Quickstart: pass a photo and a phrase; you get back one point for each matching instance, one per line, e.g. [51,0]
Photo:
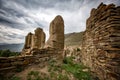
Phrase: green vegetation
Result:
[19,68]
[1,77]
[33,75]
[55,71]
[76,69]
[15,78]
[62,77]
[78,49]
[8,53]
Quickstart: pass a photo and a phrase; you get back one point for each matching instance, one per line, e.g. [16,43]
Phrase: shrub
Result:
[15,78]
[7,53]
[76,69]
[19,68]
[78,49]
[68,60]
[62,77]
[2,77]
[52,62]
[34,75]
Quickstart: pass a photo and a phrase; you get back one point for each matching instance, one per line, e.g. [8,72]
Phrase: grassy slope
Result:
[72,39]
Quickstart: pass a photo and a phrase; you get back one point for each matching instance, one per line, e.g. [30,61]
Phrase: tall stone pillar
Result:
[56,31]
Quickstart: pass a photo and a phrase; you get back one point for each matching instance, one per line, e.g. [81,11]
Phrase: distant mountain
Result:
[12,47]
[73,39]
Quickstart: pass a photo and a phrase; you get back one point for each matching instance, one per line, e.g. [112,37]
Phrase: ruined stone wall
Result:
[101,42]
[8,64]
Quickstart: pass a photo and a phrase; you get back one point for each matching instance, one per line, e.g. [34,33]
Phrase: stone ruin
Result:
[35,43]
[101,42]
[35,50]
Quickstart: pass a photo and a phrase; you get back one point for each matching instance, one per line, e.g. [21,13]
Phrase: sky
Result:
[18,17]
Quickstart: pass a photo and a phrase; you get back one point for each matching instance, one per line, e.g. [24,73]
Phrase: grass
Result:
[19,68]
[62,77]
[33,75]
[8,53]
[76,69]
[15,78]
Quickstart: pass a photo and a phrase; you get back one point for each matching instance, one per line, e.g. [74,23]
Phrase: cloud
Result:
[18,17]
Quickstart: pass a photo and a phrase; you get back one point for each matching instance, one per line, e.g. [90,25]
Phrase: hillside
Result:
[72,39]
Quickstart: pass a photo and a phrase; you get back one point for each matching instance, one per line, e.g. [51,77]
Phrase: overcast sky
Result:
[18,17]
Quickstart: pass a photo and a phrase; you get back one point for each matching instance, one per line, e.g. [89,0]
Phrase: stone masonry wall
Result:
[101,42]
[8,64]
[43,55]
